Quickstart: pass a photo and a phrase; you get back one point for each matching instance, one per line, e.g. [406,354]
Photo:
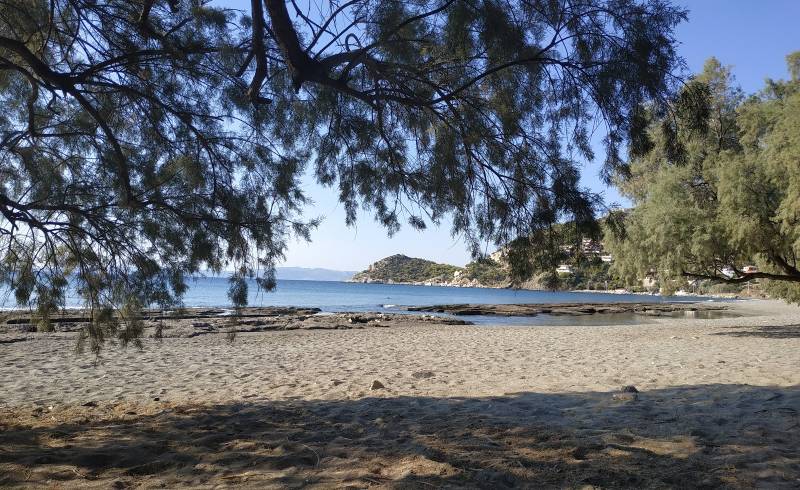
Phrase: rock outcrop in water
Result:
[574,309]
[192,322]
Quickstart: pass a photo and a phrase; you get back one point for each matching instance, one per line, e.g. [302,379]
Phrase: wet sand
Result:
[718,404]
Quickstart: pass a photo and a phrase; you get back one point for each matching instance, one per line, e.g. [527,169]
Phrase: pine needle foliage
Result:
[142,141]
[730,202]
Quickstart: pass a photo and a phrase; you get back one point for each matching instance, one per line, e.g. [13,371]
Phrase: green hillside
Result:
[587,273]
[400,268]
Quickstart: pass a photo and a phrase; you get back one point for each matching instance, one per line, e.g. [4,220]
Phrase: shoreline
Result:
[193,321]
[621,291]
[29,358]
[678,297]
[421,403]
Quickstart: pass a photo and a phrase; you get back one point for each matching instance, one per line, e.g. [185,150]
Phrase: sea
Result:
[333,296]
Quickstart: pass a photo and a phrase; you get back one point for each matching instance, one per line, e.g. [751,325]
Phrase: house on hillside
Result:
[591,247]
[564,269]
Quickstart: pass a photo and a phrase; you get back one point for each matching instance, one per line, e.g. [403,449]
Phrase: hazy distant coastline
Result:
[312,274]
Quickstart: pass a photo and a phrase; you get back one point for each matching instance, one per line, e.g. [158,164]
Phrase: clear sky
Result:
[753,36]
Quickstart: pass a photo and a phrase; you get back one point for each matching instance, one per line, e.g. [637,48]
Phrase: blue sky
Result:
[753,36]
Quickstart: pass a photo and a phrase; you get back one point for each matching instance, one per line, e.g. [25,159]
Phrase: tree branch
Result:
[745,277]
[259,53]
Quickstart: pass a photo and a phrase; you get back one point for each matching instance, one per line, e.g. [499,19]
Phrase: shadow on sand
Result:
[688,437]
[767,332]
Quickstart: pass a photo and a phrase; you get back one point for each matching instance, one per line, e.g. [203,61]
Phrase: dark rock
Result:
[376,385]
[628,393]
[575,309]
[360,319]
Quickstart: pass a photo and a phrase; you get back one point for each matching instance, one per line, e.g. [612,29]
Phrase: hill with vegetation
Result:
[403,269]
[586,273]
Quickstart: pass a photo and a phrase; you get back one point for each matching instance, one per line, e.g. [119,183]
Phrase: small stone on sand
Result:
[628,393]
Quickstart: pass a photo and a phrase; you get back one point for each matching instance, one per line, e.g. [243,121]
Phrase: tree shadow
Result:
[688,437]
[767,332]
[13,340]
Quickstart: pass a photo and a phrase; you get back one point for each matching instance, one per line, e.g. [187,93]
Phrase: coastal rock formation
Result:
[193,322]
[574,309]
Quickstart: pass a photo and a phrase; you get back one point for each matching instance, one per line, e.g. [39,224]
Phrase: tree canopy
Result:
[144,140]
[732,197]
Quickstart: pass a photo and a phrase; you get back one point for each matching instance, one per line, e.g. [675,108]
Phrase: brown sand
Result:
[492,407]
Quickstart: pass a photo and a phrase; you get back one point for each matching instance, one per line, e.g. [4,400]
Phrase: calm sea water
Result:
[348,296]
[332,296]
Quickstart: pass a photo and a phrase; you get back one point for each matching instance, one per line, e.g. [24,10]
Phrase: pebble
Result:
[625,397]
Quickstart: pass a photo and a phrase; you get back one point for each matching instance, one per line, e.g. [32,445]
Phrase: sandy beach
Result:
[413,405]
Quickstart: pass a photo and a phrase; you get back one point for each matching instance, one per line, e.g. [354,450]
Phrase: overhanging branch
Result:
[745,277]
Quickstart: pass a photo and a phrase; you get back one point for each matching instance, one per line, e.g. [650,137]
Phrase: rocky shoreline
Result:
[573,309]
[474,283]
[192,322]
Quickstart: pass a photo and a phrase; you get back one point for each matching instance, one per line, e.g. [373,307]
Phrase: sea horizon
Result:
[337,296]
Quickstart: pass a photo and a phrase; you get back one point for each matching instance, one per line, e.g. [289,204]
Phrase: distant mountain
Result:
[312,274]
